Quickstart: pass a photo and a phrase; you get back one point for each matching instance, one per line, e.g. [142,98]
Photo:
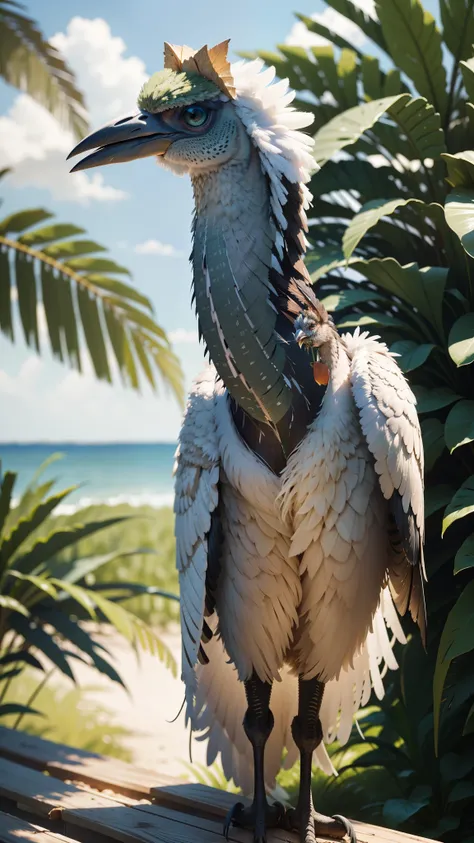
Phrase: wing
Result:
[197,524]
[389,421]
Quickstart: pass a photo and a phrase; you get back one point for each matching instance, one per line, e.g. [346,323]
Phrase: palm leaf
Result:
[365,22]
[458,35]
[414,43]
[32,64]
[84,303]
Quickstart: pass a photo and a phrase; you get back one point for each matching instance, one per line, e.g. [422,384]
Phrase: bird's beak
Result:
[300,337]
[137,136]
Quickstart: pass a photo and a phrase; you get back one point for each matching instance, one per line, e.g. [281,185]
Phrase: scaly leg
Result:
[258,724]
[307,734]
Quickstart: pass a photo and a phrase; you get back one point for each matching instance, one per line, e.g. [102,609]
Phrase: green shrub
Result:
[44,598]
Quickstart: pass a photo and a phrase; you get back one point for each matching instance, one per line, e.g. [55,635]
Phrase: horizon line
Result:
[69,442]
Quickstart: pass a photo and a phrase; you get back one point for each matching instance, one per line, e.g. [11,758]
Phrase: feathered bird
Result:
[299,510]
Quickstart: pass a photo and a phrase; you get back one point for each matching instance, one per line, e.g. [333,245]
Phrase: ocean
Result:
[137,474]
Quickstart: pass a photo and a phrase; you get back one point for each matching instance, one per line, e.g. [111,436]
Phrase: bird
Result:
[298,503]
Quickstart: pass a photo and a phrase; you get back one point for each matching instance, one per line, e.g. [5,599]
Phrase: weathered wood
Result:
[181,813]
[63,762]
[13,830]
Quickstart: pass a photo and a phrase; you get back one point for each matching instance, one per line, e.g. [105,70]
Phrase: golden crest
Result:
[211,63]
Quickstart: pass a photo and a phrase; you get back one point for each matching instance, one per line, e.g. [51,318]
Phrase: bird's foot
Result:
[312,825]
[258,817]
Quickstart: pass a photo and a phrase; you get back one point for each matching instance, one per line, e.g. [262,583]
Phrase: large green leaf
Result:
[355,175]
[461,340]
[460,168]
[29,62]
[372,212]
[461,505]
[422,126]
[414,43]
[467,69]
[465,556]
[348,127]
[348,298]
[397,811]
[437,497]
[457,638]
[429,400]
[364,21]
[457,17]
[325,32]
[411,354]
[459,210]
[459,427]
[422,288]
[433,441]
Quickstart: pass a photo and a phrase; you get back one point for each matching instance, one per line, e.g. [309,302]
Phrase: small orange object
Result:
[320,373]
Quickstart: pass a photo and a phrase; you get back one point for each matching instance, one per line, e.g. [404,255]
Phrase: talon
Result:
[348,826]
[230,817]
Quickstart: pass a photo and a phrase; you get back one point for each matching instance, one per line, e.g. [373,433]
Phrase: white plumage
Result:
[306,557]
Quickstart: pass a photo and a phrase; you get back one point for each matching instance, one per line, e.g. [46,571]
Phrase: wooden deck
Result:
[51,793]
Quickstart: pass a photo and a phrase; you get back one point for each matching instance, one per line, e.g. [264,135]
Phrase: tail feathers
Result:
[218,714]
[220,703]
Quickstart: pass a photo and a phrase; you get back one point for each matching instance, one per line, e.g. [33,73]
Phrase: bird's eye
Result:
[194,115]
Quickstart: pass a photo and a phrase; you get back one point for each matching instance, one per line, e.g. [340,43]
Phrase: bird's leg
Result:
[308,734]
[258,724]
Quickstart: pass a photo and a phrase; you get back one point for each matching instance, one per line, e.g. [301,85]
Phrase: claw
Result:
[348,826]
[230,816]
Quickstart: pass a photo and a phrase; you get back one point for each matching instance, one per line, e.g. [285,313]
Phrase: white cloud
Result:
[156,247]
[183,337]
[299,36]
[33,143]
[110,81]
[24,380]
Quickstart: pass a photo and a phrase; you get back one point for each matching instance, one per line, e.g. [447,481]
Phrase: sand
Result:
[155,698]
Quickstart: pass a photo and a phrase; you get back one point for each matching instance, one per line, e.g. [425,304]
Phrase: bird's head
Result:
[200,113]
[314,328]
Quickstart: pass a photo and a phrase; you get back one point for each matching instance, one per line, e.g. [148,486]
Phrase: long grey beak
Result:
[138,136]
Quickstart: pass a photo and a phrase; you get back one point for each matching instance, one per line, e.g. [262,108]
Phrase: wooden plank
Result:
[13,830]
[43,795]
[63,762]
[202,799]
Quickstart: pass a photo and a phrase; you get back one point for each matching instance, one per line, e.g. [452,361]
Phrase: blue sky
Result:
[139,212]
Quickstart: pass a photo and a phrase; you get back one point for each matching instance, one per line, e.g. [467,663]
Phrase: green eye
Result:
[194,115]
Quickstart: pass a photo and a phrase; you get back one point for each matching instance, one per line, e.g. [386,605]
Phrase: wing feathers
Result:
[389,421]
[196,499]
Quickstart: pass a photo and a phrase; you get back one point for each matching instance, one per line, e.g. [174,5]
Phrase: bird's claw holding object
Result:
[313,825]
[255,817]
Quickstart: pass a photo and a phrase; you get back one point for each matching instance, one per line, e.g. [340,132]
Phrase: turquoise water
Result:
[112,473]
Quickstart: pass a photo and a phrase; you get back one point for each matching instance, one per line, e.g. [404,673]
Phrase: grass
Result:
[147,528]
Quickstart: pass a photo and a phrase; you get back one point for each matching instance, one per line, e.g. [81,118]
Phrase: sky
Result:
[142,214]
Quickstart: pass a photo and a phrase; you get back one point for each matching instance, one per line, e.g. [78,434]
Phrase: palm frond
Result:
[29,62]
[85,304]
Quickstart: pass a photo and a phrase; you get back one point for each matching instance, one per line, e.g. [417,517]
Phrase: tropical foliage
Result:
[392,250]
[31,63]
[53,266]
[44,601]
